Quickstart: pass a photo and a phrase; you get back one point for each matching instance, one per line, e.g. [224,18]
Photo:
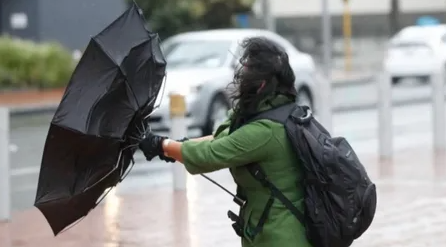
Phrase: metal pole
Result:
[325,109]
[178,130]
[268,18]
[385,118]
[347,31]
[438,108]
[5,190]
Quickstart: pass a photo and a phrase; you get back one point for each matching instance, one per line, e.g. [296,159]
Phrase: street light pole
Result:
[268,18]
[325,109]
[347,31]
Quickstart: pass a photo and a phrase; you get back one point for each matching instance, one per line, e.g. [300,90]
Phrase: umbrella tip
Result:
[135,5]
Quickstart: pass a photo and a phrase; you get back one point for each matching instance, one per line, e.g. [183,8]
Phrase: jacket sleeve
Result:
[246,145]
[223,129]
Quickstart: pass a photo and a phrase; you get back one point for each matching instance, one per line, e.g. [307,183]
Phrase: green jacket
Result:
[264,142]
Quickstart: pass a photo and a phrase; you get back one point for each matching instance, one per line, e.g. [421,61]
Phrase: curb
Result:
[50,109]
[33,109]
[374,105]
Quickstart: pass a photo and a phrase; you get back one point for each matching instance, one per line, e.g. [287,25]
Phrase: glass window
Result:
[196,53]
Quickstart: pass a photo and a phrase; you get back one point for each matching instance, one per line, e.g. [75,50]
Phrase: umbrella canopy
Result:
[100,120]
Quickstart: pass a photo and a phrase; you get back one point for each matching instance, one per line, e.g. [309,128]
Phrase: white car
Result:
[201,64]
[416,51]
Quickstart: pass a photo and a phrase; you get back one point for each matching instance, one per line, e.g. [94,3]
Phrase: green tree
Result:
[219,13]
[168,17]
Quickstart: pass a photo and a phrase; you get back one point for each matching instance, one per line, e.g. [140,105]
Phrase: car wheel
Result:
[304,98]
[217,113]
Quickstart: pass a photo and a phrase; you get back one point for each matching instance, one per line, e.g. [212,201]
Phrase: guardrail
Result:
[385,117]
[5,190]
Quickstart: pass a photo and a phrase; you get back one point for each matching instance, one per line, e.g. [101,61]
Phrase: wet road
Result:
[28,135]
[411,212]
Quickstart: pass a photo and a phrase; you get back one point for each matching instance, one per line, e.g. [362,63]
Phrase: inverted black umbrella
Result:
[100,120]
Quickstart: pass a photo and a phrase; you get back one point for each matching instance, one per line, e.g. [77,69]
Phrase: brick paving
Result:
[411,212]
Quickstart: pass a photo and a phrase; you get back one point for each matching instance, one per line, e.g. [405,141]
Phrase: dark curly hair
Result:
[264,72]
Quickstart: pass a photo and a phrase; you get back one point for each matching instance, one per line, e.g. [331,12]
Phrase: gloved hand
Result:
[168,159]
[152,146]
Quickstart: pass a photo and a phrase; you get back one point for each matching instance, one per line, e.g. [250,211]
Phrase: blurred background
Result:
[42,40]
[372,22]
[344,43]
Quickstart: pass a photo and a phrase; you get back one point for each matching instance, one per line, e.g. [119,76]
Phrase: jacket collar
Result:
[274,101]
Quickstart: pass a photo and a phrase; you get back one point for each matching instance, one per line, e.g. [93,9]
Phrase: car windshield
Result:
[196,53]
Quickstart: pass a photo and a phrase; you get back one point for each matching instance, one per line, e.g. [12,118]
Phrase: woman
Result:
[264,81]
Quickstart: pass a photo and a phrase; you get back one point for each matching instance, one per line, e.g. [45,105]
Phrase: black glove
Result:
[152,146]
[168,159]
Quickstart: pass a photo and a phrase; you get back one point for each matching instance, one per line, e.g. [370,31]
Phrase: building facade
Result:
[372,24]
[70,22]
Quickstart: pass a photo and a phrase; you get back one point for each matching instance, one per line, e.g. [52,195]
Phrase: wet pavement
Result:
[144,211]
[28,135]
[411,212]
[412,190]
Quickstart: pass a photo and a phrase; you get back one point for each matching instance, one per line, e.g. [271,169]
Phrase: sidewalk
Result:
[411,212]
[30,97]
[32,100]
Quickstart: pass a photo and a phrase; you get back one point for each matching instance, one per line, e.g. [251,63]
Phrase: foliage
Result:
[24,63]
[168,17]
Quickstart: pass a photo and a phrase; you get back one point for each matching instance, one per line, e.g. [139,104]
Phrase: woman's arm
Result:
[245,145]
[172,149]
[203,138]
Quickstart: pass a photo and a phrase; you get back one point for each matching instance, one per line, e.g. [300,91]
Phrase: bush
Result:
[25,64]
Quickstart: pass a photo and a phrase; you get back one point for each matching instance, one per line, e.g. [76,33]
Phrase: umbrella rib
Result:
[131,90]
[119,67]
[101,45]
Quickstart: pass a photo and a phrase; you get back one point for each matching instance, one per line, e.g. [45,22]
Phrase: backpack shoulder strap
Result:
[256,171]
[279,114]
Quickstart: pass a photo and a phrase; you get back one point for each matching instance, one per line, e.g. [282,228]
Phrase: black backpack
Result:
[339,197]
